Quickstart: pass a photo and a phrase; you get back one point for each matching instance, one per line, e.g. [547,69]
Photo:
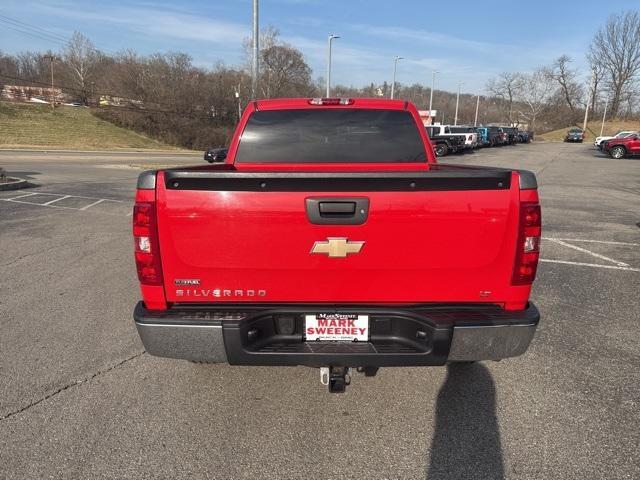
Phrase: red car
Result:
[622,147]
[331,238]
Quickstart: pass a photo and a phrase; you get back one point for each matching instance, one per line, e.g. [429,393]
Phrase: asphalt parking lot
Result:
[79,397]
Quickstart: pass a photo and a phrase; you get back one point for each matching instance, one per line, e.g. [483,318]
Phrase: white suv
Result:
[600,140]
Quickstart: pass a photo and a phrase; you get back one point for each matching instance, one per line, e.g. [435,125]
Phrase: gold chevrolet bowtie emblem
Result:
[337,247]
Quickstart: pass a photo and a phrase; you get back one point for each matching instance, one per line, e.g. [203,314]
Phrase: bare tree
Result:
[33,68]
[506,86]
[285,72]
[598,73]
[533,91]
[617,47]
[80,58]
[8,70]
[565,77]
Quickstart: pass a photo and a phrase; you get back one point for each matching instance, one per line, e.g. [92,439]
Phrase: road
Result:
[79,397]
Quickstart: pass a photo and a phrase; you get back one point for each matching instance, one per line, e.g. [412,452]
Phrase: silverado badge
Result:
[337,247]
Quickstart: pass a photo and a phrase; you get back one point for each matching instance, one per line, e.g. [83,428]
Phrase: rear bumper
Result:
[273,335]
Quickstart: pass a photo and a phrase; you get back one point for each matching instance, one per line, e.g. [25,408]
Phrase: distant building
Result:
[427,116]
[26,93]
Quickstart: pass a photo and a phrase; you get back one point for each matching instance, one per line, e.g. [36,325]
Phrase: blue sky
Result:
[465,41]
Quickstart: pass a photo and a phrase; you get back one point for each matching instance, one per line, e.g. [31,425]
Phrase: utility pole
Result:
[433,81]
[255,67]
[331,38]
[93,84]
[455,119]
[604,115]
[237,93]
[586,108]
[395,66]
[51,59]
[475,122]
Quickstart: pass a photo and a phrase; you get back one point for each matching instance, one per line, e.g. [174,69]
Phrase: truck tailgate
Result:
[434,236]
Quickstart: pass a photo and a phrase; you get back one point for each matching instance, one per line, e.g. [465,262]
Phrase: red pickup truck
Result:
[331,238]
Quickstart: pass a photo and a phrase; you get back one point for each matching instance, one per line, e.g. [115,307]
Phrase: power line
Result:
[39,32]
[31,34]
[31,31]
[35,28]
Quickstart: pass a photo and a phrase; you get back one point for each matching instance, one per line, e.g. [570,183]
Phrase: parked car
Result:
[440,131]
[216,154]
[483,136]
[512,134]
[469,131]
[524,136]
[271,259]
[468,139]
[600,140]
[444,144]
[623,147]
[497,136]
[574,135]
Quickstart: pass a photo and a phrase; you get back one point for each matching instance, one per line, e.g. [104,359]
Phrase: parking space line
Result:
[595,265]
[56,200]
[36,204]
[584,250]
[606,242]
[92,204]
[47,204]
[20,196]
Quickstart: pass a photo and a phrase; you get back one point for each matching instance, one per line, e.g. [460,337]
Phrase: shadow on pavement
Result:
[25,175]
[466,442]
[28,176]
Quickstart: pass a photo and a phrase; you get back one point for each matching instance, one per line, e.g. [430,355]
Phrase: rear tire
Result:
[617,152]
[441,150]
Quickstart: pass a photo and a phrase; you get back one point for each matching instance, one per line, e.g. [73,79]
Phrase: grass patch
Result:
[593,130]
[24,125]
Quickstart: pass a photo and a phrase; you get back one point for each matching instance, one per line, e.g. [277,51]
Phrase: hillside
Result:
[593,130]
[32,125]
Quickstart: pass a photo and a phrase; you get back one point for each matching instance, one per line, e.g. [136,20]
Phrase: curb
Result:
[14,184]
[46,149]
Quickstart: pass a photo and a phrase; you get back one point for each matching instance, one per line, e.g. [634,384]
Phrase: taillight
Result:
[145,235]
[528,249]
[331,101]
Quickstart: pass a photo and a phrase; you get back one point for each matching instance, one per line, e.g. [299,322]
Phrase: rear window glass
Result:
[461,130]
[330,136]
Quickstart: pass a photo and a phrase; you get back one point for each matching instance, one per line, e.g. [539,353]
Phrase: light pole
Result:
[255,68]
[586,109]
[395,66]
[433,81]
[604,115]
[237,94]
[455,118]
[331,37]
[51,58]
[475,122]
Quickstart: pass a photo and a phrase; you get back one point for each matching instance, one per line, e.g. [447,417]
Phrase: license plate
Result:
[337,327]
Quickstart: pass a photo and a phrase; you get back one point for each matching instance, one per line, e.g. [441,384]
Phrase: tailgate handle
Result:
[337,210]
